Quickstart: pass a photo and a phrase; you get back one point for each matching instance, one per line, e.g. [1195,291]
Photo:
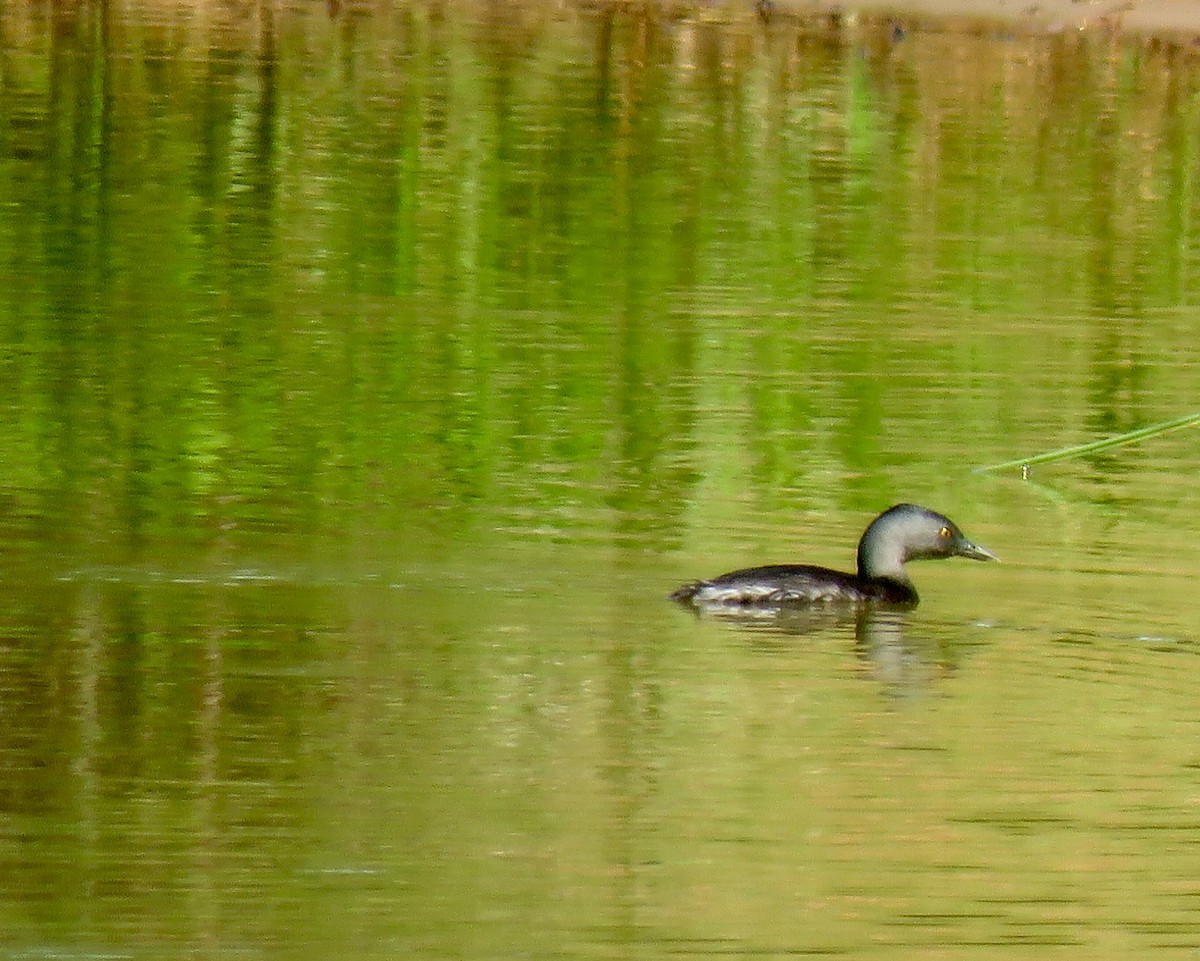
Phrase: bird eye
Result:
[944,532]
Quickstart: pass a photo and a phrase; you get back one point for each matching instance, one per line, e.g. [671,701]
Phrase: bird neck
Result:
[881,556]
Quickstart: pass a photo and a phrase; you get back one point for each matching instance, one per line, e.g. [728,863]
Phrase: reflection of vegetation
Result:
[265,274]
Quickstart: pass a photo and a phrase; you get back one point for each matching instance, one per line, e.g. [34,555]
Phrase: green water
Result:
[373,371]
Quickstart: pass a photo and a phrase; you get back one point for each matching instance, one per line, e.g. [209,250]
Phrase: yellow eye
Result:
[944,532]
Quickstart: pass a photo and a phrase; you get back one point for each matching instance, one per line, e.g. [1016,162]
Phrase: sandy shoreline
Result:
[1178,20]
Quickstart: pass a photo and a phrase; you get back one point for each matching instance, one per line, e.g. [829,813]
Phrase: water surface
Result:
[374,371]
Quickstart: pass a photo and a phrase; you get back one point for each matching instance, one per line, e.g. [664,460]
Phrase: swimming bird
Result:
[900,534]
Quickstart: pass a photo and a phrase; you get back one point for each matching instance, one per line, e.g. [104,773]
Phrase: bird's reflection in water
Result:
[883,638]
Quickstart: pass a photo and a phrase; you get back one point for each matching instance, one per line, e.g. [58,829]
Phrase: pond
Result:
[373,373]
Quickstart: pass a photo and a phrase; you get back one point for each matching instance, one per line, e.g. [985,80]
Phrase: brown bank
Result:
[1172,19]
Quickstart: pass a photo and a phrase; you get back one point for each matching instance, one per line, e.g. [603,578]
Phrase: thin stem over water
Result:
[1119,440]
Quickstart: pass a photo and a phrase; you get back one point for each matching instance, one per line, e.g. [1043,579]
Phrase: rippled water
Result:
[375,371]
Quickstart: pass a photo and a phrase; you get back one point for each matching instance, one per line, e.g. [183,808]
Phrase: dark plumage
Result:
[900,534]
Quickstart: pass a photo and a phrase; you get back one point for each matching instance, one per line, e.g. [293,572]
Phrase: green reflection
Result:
[479,263]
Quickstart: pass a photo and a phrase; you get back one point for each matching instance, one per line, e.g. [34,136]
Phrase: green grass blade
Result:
[1120,440]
